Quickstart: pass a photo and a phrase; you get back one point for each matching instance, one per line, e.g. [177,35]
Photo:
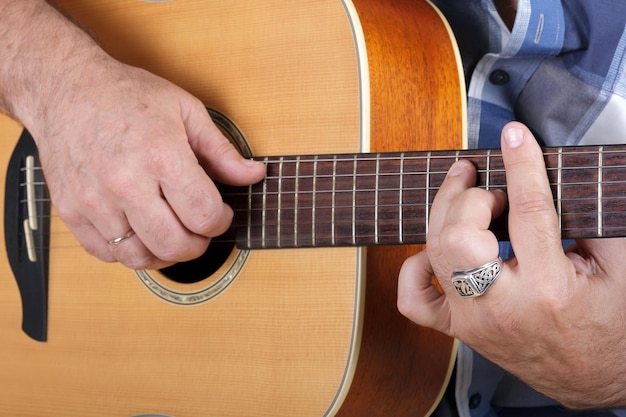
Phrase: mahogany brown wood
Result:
[423,82]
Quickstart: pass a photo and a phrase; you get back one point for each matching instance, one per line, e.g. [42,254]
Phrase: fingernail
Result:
[457,169]
[251,163]
[514,136]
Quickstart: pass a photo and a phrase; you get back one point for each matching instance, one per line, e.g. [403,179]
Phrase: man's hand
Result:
[123,151]
[140,155]
[553,318]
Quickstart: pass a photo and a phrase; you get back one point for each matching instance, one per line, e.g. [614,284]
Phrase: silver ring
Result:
[476,281]
[121,239]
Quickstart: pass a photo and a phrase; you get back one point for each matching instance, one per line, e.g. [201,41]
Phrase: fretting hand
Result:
[554,318]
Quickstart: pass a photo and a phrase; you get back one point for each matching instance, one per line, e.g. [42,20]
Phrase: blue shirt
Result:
[561,71]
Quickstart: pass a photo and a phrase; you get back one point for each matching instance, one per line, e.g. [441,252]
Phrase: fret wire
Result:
[559,196]
[427,202]
[354,191]
[600,163]
[401,201]
[376,205]
[487,172]
[313,196]
[249,232]
[332,197]
[279,199]
[263,213]
[297,196]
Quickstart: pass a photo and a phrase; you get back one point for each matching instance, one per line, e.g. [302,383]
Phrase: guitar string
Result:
[433,155]
[441,155]
[414,157]
[270,242]
[394,191]
[410,226]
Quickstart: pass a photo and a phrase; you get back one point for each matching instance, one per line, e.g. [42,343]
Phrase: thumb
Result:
[219,157]
[418,299]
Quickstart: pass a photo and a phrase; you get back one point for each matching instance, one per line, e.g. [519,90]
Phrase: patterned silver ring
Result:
[121,239]
[476,281]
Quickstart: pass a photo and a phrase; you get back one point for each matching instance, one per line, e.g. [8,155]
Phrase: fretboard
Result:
[385,198]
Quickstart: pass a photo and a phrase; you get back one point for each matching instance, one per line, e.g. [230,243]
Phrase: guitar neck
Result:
[385,198]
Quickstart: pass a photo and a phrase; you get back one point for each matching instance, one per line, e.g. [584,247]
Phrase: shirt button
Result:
[474,401]
[499,77]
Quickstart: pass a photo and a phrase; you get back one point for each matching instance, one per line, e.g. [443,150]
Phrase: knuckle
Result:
[167,159]
[225,149]
[456,238]
[184,248]
[214,223]
[161,161]
[101,253]
[209,217]
[532,203]
[69,214]
[406,306]
[139,262]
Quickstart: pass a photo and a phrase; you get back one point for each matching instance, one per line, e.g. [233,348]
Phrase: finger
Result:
[91,240]
[130,251]
[465,238]
[216,153]
[192,203]
[137,205]
[460,177]
[533,224]
[418,299]
[103,222]
[164,235]
[458,236]
[133,253]
[192,198]
[597,257]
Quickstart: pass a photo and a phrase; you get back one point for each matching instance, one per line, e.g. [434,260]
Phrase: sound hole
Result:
[203,267]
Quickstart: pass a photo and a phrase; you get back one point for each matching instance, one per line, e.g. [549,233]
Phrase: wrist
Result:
[41,53]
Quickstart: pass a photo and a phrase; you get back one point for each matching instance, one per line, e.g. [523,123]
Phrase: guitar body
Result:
[298,332]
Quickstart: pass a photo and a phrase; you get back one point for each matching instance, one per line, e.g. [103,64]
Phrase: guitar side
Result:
[291,336]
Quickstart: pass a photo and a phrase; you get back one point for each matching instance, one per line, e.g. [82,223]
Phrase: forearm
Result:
[39,48]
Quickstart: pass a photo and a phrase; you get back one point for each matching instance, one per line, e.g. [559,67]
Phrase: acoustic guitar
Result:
[294,315]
